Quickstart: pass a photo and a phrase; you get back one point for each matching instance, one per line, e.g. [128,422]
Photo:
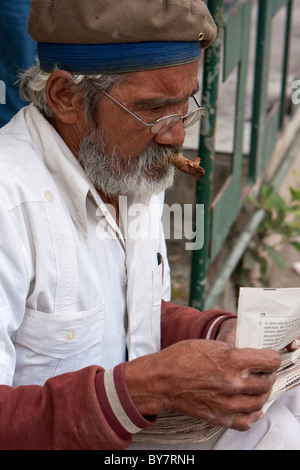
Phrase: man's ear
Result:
[62,97]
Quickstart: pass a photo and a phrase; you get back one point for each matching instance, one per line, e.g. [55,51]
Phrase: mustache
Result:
[157,155]
[162,156]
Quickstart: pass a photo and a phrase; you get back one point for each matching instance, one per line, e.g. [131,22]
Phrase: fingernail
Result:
[295,345]
[258,415]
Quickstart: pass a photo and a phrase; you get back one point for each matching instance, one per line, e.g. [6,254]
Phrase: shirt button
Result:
[70,335]
[49,196]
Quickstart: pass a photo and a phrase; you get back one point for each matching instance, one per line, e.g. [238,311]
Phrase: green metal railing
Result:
[230,51]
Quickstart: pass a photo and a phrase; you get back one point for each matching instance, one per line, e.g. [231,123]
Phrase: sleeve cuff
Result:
[211,328]
[117,405]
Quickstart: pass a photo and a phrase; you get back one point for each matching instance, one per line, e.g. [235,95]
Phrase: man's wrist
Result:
[117,405]
[212,328]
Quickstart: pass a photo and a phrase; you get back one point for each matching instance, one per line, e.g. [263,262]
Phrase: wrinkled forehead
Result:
[159,87]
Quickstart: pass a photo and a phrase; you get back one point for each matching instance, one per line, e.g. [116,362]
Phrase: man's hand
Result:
[227,331]
[294,346]
[209,380]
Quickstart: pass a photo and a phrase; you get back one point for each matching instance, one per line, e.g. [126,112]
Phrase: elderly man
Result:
[92,349]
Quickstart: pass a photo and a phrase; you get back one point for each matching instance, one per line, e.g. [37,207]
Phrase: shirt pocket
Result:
[49,345]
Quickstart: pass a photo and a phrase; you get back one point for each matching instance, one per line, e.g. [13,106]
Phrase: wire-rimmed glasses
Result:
[166,123]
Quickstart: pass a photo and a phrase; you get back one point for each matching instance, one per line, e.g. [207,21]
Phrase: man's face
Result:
[120,154]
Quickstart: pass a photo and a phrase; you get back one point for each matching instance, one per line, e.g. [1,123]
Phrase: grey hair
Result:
[34,80]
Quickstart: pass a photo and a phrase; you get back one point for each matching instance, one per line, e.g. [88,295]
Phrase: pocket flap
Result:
[61,336]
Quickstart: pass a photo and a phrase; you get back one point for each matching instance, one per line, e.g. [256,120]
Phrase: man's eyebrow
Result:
[160,101]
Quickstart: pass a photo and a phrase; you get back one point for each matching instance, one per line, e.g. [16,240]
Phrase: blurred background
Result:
[249,143]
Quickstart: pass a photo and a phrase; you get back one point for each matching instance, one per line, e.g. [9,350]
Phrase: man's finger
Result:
[264,361]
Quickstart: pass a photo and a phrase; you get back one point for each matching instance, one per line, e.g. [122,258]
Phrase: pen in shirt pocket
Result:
[160,262]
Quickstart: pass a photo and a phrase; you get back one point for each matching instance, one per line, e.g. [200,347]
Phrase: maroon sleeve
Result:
[179,323]
[86,410]
[64,414]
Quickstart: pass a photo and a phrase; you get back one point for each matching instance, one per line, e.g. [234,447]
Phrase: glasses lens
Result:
[193,117]
[165,124]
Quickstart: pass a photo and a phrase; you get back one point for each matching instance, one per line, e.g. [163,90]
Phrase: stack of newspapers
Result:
[267,318]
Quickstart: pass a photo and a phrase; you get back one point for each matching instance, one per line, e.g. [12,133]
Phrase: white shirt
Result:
[74,290]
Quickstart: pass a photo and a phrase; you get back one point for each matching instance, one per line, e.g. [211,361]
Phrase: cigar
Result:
[189,167]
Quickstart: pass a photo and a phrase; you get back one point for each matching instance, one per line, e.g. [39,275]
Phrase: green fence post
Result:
[285,65]
[200,258]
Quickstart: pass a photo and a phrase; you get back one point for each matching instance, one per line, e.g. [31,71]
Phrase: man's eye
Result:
[153,112]
[156,109]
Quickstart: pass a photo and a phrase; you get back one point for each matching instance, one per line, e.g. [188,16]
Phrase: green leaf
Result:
[266,191]
[254,201]
[295,194]
[249,260]
[296,245]
[276,202]
[276,257]
[263,265]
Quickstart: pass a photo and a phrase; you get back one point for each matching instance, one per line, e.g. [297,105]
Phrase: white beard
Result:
[151,173]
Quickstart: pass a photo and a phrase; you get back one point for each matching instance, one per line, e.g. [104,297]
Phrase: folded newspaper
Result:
[267,318]
[270,318]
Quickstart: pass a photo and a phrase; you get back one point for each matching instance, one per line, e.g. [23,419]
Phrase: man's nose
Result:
[174,136]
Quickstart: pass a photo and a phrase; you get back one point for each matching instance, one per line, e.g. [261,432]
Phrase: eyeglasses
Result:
[166,123]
